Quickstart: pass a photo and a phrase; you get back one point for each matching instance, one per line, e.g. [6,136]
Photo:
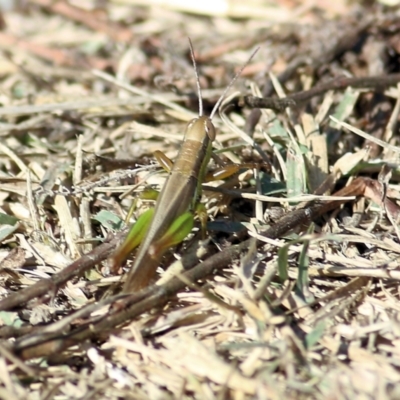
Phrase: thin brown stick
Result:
[341,83]
[50,286]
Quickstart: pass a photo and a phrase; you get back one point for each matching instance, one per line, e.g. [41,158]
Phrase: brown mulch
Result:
[294,294]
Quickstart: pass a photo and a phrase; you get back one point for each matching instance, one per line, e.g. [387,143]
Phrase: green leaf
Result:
[283,253]
[302,277]
[277,130]
[8,225]
[313,337]
[6,219]
[109,220]
[6,230]
[10,319]
[345,107]
[296,176]
[283,263]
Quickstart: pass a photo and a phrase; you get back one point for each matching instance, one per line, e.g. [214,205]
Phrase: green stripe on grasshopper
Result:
[175,234]
[134,238]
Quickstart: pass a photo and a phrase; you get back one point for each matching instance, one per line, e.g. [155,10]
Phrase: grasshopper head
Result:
[199,128]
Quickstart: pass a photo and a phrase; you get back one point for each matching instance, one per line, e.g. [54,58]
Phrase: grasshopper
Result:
[172,219]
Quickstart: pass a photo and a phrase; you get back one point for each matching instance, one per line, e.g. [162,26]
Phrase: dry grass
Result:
[87,94]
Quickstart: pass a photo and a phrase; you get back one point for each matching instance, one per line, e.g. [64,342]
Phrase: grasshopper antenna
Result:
[197,79]
[220,100]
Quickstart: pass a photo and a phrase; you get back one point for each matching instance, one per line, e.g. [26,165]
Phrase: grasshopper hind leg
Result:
[133,239]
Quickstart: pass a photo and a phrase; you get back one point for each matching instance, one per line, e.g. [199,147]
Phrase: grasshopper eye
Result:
[209,129]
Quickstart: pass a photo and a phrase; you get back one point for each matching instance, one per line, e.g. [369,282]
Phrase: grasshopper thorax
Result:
[200,127]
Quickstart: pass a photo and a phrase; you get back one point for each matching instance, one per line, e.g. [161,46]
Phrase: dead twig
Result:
[46,287]
[340,83]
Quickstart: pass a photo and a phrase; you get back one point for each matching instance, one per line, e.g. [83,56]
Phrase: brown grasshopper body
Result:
[178,196]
